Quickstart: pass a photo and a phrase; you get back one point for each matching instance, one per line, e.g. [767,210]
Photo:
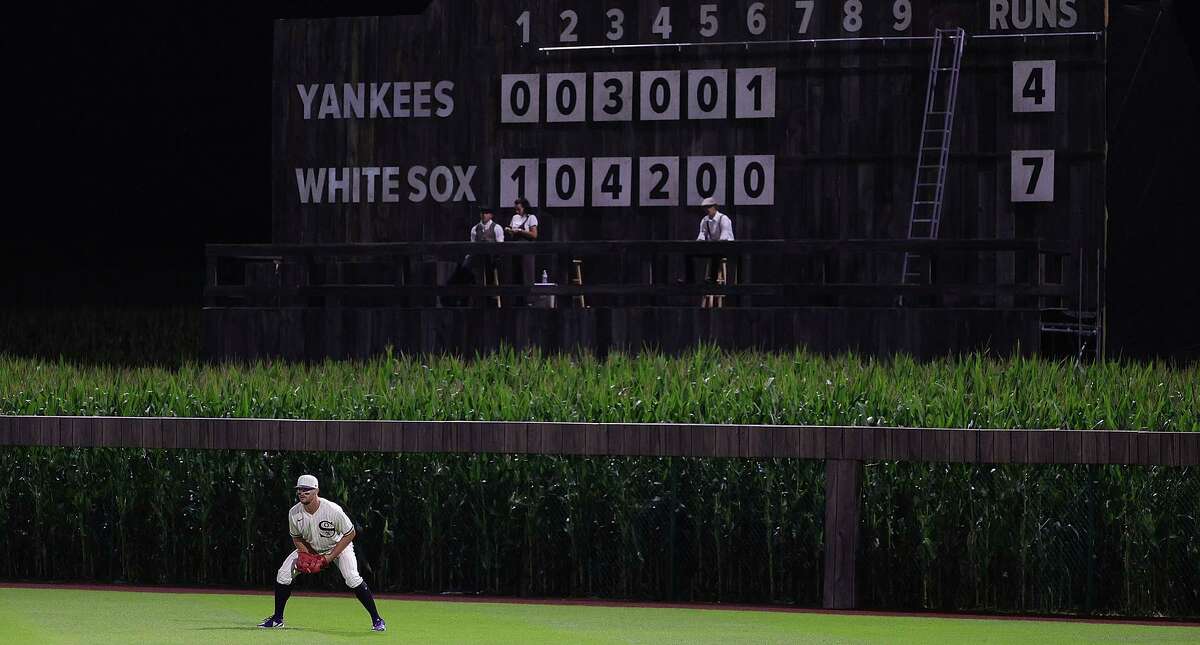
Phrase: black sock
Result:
[282,592]
[363,592]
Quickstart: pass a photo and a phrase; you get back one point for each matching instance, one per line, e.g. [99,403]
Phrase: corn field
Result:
[1075,539]
[705,386]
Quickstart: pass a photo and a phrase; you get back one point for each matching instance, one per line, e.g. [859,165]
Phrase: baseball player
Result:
[322,534]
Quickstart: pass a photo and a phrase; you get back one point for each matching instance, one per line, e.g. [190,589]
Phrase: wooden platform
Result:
[314,333]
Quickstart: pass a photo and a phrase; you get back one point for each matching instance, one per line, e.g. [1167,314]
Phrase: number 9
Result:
[902,12]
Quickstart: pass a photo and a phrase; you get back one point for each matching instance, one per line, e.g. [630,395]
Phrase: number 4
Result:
[1033,86]
[662,23]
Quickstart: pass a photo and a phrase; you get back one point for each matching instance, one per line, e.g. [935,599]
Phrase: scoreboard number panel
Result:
[565,97]
[705,178]
[612,181]
[755,93]
[754,180]
[520,98]
[612,96]
[658,181]
[1032,175]
[564,182]
[519,178]
[708,93]
[659,96]
[1033,86]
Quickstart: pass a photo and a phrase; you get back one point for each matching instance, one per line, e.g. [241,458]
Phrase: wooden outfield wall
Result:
[843,448]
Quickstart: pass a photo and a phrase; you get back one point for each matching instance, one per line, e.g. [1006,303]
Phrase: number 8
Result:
[853,20]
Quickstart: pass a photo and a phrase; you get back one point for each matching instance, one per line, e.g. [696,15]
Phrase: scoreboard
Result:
[615,118]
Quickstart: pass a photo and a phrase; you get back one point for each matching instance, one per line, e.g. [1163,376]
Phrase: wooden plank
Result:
[359,436]
[1074,453]
[1019,452]
[970,445]
[1089,447]
[8,425]
[834,443]
[935,445]
[727,441]
[1118,447]
[403,437]
[843,481]
[1189,448]
[986,441]
[807,438]
[671,439]
[1059,448]
[291,435]
[572,438]
[956,449]
[77,431]
[1041,447]
[852,443]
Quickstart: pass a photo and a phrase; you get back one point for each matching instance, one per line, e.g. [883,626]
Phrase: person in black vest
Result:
[481,265]
[715,226]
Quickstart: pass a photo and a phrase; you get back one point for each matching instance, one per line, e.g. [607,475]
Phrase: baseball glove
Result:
[310,562]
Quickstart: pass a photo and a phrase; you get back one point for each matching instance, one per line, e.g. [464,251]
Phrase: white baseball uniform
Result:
[321,530]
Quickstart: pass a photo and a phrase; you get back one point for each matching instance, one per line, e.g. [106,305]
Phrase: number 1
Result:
[523,23]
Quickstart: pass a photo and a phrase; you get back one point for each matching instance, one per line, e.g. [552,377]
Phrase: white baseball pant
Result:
[346,562]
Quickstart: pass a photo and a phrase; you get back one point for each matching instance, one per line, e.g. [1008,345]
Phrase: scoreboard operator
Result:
[322,533]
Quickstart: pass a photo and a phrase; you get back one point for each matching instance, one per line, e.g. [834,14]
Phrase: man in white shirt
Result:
[486,230]
[319,526]
[715,225]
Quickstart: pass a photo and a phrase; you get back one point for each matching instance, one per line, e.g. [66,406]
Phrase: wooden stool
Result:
[495,282]
[577,279]
[711,301]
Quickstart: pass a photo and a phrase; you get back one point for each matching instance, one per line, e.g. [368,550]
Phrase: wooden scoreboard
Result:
[802,118]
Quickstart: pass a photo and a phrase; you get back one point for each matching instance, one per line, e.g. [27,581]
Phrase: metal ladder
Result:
[933,151]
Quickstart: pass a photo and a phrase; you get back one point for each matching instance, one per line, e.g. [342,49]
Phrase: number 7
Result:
[806,8]
[1037,163]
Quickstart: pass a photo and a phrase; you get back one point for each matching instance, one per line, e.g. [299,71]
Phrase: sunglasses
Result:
[305,490]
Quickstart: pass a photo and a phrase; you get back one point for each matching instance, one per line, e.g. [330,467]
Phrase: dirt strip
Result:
[603,603]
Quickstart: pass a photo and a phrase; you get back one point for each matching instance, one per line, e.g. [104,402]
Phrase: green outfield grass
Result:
[72,616]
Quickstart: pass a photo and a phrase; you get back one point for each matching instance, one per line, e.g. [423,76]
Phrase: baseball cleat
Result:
[271,622]
[377,625]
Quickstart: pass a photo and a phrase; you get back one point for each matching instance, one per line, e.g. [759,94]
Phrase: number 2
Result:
[568,34]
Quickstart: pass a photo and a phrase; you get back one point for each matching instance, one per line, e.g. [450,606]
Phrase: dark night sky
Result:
[142,135]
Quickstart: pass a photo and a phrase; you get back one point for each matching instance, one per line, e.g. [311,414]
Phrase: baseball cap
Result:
[306,481]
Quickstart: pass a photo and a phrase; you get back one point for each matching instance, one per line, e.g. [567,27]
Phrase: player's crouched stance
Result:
[322,534]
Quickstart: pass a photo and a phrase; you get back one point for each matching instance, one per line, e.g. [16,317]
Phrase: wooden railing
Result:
[844,450]
[657,273]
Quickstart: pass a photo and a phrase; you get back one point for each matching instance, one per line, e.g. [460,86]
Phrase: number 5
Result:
[708,20]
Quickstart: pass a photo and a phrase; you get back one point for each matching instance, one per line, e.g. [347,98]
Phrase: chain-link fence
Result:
[1092,539]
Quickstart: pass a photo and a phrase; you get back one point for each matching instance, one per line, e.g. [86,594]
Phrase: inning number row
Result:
[708,20]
